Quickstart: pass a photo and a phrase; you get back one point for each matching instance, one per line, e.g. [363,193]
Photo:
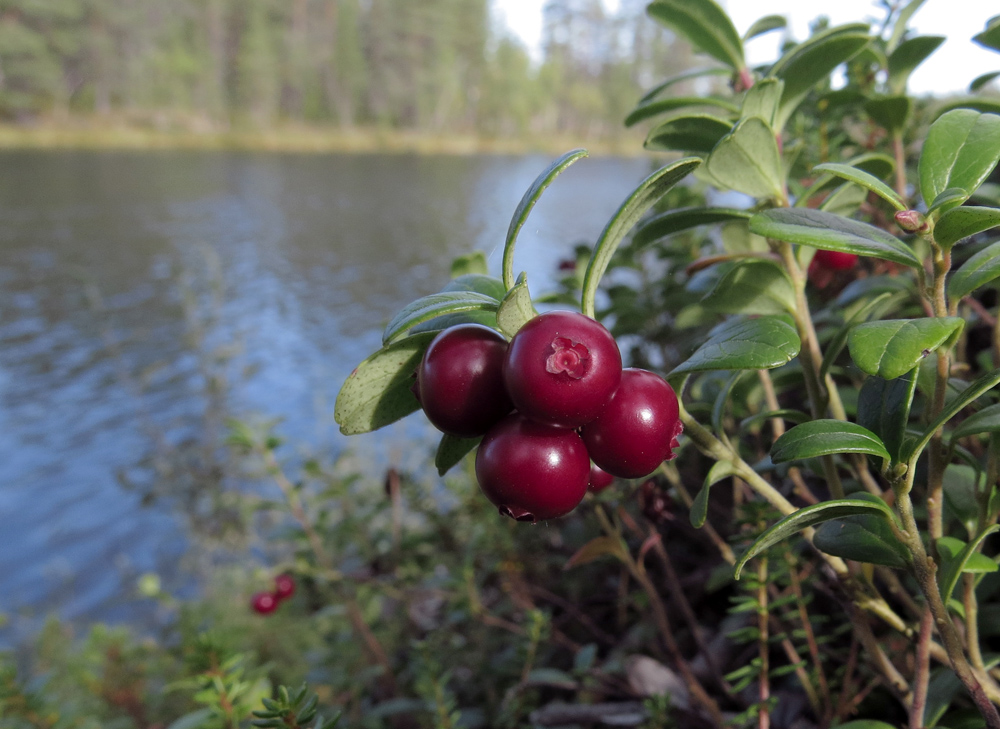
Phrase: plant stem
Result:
[971,606]
[763,643]
[777,430]
[922,672]
[899,152]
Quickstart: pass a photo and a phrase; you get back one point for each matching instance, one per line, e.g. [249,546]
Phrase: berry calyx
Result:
[460,380]
[532,471]
[638,428]
[561,369]
[599,479]
[264,603]
[284,587]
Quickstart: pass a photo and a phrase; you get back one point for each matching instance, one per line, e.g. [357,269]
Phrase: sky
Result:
[948,70]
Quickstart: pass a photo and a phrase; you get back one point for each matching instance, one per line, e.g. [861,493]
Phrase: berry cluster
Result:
[267,602]
[555,408]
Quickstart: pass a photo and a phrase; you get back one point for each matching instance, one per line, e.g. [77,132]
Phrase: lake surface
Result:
[146,296]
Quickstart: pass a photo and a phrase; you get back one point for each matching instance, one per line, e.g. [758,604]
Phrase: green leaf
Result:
[528,201]
[831,232]
[845,200]
[866,723]
[969,395]
[747,160]
[961,149]
[948,199]
[762,100]
[863,538]
[990,38]
[982,104]
[839,340]
[753,286]
[722,399]
[765,25]
[812,61]
[980,81]
[705,25]
[697,133]
[884,408]
[892,347]
[469,263]
[961,484]
[865,180]
[826,438]
[986,420]
[661,106]
[789,414]
[378,392]
[628,214]
[907,56]
[693,73]
[958,557]
[676,221]
[699,507]
[962,222]
[811,516]
[478,283]
[194,720]
[900,28]
[516,309]
[890,112]
[433,306]
[451,450]
[745,344]
[980,269]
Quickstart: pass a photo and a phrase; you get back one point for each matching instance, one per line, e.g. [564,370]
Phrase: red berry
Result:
[264,603]
[834,260]
[599,478]
[532,471]
[562,368]
[284,586]
[638,428]
[460,380]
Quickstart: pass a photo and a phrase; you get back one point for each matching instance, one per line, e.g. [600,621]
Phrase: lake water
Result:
[145,296]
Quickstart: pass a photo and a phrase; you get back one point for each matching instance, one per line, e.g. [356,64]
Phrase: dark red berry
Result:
[284,586]
[655,503]
[562,368]
[460,380]
[599,478]
[834,260]
[532,471]
[638,428]
[264,603]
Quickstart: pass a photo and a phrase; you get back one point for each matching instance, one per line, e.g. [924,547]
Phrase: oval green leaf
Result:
[479,283]
[754,286]
[628,214]
[451,450]
[986,420]
[990,38]
[946,200]
[980,81]
[892,347]
[697,133]
[884,408]
[747,160]
[980,269]
[528,201]
[865,179]
[762,100]
[907,56]
[826,438]
[662,106]
[699,507]
[958,557]
[961,149]
[676,221]
[862,538]
[745,344]
[969,395]
[433,306]
[705,25]
[831,232]
[378,391]
[765,25]
[811,516]
[962,222]
[693,73]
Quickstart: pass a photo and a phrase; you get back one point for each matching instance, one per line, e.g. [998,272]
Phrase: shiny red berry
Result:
[532,471]
[638,428]
[284,586]
[264,603]
[460,380]
[562,368]
[834,260]
[599,478]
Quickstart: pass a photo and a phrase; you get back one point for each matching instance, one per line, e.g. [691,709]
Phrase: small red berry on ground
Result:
[284,586]
[264,603]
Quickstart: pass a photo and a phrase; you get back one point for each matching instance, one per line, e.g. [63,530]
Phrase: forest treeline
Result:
[432,65]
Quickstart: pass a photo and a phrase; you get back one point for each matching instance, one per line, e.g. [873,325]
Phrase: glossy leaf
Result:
[865,180]
[986,420]
[969,395]
[479,283]
[628,214]
[862,538]
[961,484]
[946,200]
[907,56]
[990,37]
[687,75]
[961,222]
[839,340]
[753,286]
[980,81]
[705,25]
[890,112]
[884,408]
[699,507]
[961,149]
[661,106]
[958,557]
[516,309]
[676,221]
[812,61]
[878,165]
[528,200]
[697,133]
[723,398]
[892,347]
[378,391]
[826,438]
[745,344]
[765,25]
[451,450]
[433,306]
[831,232]
[747,160]
[980,269]
[762,100]
[811,516]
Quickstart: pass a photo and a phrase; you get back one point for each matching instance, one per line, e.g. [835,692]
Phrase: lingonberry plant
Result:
[832,338]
